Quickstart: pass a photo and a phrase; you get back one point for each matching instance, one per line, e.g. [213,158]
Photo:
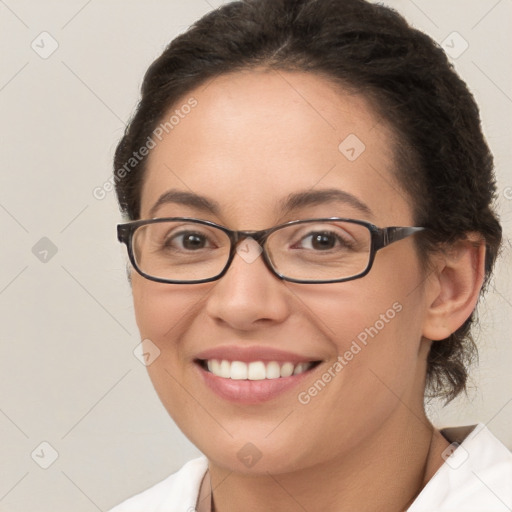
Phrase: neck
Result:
[386,472]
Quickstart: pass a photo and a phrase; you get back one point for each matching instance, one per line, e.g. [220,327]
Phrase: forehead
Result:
[255,137]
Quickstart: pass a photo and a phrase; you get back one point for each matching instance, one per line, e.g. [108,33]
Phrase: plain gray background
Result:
[70,378]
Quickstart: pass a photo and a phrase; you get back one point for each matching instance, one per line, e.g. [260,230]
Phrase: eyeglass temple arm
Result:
[390,235]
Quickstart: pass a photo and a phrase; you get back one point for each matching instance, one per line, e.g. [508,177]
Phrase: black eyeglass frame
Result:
[380,238]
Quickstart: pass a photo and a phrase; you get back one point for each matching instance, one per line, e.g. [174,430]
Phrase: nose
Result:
[249,295]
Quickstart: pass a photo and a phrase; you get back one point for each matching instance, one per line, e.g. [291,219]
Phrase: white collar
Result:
[476,477]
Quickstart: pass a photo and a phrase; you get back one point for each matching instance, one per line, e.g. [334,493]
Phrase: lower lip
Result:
[247,392]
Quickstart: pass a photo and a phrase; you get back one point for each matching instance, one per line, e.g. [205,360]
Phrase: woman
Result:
[309,197]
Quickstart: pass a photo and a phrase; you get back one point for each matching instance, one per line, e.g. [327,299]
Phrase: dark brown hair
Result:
[443,161]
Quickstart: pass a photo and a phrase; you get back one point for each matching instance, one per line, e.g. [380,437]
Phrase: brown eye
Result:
[188,240]
[320,241]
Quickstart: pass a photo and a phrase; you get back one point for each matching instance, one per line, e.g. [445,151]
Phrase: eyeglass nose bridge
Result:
[260,238]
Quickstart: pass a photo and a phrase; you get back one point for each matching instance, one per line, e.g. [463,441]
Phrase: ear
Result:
[454,286]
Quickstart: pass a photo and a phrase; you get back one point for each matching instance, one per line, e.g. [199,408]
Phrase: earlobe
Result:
[454,287]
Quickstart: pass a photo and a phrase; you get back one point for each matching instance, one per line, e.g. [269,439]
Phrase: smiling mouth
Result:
[255,370]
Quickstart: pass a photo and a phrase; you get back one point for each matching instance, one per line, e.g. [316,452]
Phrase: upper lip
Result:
[253,353]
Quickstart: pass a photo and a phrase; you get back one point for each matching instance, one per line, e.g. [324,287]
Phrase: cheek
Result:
[163,314]
[163,311]
[374,326]
[364,311]
[375,335]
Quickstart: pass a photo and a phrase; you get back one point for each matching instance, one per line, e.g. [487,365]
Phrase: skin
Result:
[364,442]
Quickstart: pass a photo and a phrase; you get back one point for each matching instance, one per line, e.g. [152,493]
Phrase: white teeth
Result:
[215,367]
[256,370]
[238,370]
[273,370]
[287,370]
[225,369]
[300,368]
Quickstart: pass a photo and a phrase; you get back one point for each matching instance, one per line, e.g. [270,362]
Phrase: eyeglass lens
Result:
[312,250]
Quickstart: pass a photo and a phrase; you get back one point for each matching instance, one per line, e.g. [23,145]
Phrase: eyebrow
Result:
[200,203]
[299,200]
[292,202]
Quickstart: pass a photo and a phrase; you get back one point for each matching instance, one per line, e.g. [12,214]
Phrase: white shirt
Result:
[476,477]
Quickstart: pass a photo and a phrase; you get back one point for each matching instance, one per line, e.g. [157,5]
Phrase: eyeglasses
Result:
[184,250]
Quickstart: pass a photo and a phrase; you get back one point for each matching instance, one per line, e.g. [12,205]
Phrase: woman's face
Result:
[253,139]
